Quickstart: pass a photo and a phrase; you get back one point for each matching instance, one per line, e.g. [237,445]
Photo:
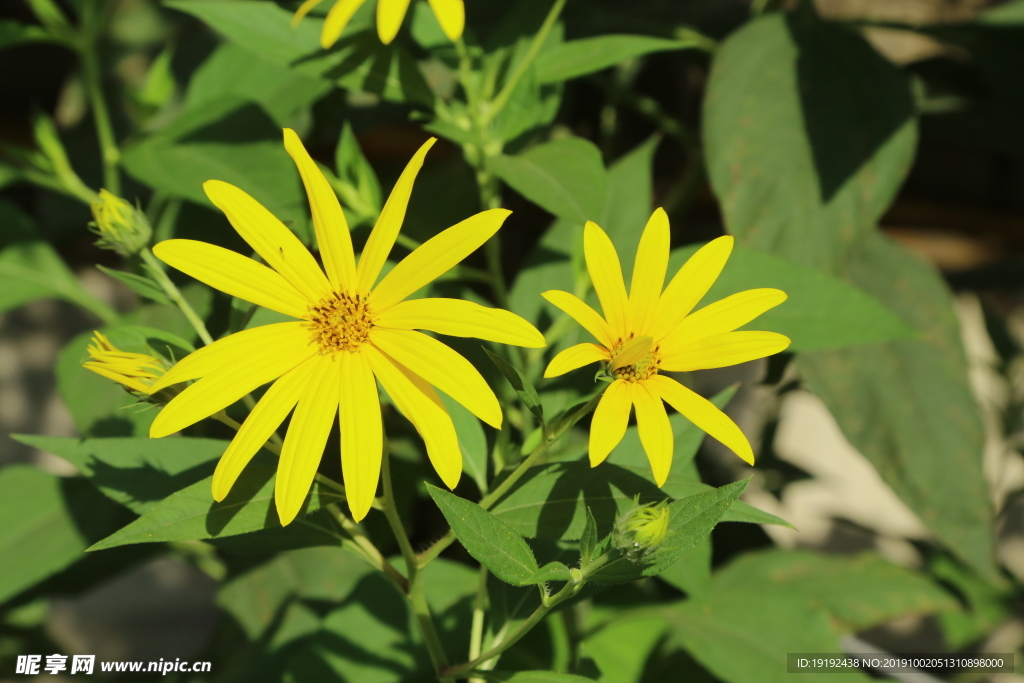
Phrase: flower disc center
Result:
[341,322]
[634,359]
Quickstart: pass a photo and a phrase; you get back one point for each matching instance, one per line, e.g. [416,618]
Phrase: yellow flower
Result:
[652,331]
[451,14]
[121,226]
[349,335]
[137,371]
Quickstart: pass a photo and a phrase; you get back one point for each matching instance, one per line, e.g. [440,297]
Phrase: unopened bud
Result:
[121,226]
[641,530]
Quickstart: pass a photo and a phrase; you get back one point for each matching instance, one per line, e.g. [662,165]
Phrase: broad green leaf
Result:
[858,592]
[192,514]
[565,177]
[102,407]
[692,572]
[472,441]
[234,71]
[30,268]
[587,55]
[622,648]
[527,394]
[136,472]
[808,134]
[692,519]
[48,522]
[986,606]
[142,286]
[907,405]
[821,312]
[628,204]
[359,62]
[490,541]
[588,539]
[15,33]
[545,677]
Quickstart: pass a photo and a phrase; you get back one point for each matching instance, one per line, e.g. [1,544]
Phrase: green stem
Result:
[517,74]
[365,546]
[417,597]
[174,294]
[476,635]
[92,75]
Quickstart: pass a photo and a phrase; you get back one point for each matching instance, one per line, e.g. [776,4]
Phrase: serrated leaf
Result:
[490,541]
[588,539]
[522,386]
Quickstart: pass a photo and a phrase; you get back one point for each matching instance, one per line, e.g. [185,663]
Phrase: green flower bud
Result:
[121,226]
[640,531]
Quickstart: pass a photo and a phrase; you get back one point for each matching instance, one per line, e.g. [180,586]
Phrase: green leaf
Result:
[490,541]
[588,539]
[15,33]
[587,55]
[552,571]
[136,472]
[519,383]
[142,286]
[192,514]
[692,519]
[30,269]
[565,177]
[907,405]
[821,312]
[692,572]
[472,441]
[808,134]
[46,523]
[232,71]
[628,204]
[622,648]
[545,677]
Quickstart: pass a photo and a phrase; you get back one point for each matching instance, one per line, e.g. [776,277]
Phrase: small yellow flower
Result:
[651,331]
[451,14]
[121,226]
[350,332]
[137,371]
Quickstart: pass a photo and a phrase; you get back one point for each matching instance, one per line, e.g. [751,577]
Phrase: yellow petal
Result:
[261,423]
[421,405]
[303,10]
[362,435]
[442,367]
[224,351]
[269,238]
[721,350]
[389,223]
[130,382]
[702,413]
[231,382]
[336,21]
[606,274]
[451,14]
[725,315]
[233,274]
[459,318]
[329,222]
[307,435]
[690,285]
[633,351]
[575,357]
[436,256]
[655,430]
[586,316]
[610,419]
[390,14]
[649,270]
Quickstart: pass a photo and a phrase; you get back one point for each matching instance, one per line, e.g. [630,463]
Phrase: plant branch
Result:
[156,270]
[92,75]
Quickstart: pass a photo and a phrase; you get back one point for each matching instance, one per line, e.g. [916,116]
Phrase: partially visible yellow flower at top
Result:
[451,14]
[651,331]
[350,332]
[137,371]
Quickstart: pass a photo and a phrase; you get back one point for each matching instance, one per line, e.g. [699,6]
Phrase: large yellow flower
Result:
[347,333]
[652,331]
[451,14]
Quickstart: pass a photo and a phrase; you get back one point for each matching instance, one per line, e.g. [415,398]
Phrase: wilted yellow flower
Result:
[137,371]
[652,331]
[121,226]
[451,14]
[350,332]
